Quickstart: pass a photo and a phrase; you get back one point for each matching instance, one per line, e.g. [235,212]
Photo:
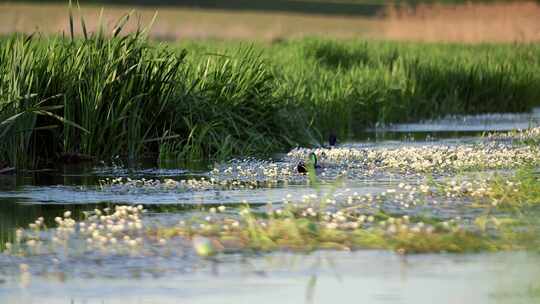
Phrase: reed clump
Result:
[79,96]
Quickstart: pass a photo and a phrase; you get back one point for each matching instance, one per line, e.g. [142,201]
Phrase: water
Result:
[362,277]
[173,273]
[455,126]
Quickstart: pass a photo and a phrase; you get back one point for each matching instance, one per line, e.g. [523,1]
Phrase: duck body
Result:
[303,167]
[332,140]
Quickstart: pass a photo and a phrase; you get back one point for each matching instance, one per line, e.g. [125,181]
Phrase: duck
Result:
[304,167]
[332,139]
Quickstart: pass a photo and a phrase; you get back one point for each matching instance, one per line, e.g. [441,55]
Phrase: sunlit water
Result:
[470,123]
[174,274]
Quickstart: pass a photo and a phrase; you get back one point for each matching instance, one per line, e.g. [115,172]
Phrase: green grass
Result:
[368,82]
[105,96]
[145,99]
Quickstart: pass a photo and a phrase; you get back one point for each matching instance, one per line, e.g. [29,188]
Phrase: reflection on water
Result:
[176,275]
[454,126]
[362,277]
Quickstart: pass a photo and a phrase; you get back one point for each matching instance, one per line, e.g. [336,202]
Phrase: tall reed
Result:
[105,96]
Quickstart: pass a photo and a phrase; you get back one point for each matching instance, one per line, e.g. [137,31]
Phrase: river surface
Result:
[175,274]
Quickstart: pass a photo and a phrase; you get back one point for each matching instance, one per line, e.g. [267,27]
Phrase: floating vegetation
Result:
[346,163]
[112,231]
[529,136]
[303,230]
[428,158]
[340,220]
[360,221]
[124,185]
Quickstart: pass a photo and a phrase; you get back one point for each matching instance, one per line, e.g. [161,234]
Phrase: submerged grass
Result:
[213,100]
[302,234]
[518,192]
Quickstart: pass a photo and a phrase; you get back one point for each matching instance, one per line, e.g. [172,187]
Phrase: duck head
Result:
[313,159]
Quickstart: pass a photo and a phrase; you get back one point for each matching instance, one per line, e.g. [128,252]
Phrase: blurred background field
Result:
[454,21]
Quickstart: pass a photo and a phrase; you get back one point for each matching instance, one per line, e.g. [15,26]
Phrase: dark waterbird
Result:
[332,139]
[304,167]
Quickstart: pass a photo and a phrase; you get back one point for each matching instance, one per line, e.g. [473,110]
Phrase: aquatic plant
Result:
[350,163]
[290,231]
[516,191]
[333,220]
[529,136]
[111,230]
[427,158]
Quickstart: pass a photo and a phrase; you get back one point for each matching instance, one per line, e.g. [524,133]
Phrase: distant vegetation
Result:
[365,8]
[333,7]
[103,96]
[471,23]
